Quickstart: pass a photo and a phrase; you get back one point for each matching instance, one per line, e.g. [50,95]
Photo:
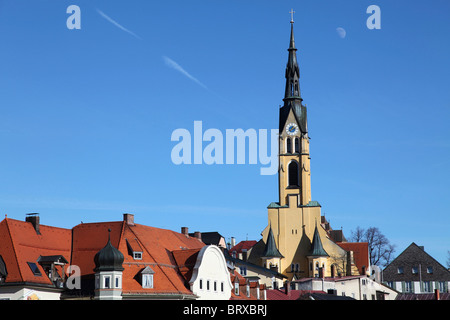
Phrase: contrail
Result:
[117,24]
[172,64]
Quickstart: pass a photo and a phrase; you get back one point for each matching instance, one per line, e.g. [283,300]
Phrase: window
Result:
[288,145]
[200,284]
[442,286]
[147,281]
[243,271]
[408,286]
[297,145]
[293,173]
[426,286]
[34,268]
[207,285]
[295,267]
[147,278]
[107,282]
[221,287]
[118,282]
[215,286]
[137,255]
[400,270]
[236,288]
[415,270]
[429,269]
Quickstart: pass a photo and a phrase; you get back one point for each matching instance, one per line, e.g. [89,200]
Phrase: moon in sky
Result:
[341,32]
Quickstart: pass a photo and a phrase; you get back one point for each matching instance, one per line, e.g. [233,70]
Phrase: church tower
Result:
[296,244]
[294,171]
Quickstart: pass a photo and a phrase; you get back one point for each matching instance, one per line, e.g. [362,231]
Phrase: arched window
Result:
[293,173]
[297,145]
[288,145]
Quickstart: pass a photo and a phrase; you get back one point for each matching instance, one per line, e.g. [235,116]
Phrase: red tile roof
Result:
[157,245]
[280,294]
[21,244]
[360,253]
[243,245]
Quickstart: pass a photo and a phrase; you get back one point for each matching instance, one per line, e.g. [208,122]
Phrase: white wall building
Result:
[210,277]
[357,287]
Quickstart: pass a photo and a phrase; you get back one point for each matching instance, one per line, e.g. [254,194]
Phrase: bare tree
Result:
[380,249]
[448,259]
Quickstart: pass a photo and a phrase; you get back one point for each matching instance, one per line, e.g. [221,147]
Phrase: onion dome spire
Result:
[109,258]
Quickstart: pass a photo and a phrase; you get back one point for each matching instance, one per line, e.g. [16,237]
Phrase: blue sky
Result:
[86,115]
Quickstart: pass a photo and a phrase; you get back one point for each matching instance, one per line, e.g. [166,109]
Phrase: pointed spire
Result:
[317,249]
[292,40]
[271,250]
[292,70]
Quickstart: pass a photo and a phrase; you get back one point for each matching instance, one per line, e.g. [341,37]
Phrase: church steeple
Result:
[294,173]
[292,90]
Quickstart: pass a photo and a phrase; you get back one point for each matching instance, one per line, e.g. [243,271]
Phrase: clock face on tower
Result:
[291,129]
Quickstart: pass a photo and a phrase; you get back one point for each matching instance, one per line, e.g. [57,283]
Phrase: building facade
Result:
[117,260]
[416,272]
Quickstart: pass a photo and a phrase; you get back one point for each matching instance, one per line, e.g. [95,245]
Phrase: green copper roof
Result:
[276,205]
[313,204]
[316,247]
[271,251]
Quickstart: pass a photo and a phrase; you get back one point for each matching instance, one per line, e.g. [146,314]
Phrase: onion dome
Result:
[109,258]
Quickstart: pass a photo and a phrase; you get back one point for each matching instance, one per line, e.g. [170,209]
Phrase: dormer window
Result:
[137,255]
[134,249]
[147,278]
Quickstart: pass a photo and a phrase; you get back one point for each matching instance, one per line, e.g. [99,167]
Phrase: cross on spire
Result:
[292,15]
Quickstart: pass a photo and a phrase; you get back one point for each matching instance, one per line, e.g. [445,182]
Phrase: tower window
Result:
[288,145]
[293,173]
[297,145]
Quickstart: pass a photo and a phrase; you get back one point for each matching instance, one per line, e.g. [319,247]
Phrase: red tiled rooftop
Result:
[21,244]
[243,245]
[360,253]
[280,294]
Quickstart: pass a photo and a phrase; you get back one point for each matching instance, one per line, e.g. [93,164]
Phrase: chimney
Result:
[128,218]
[185,231]
[322,273]
[34,219]
[233,241]
[287,287]
[437,294]
[198,235]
